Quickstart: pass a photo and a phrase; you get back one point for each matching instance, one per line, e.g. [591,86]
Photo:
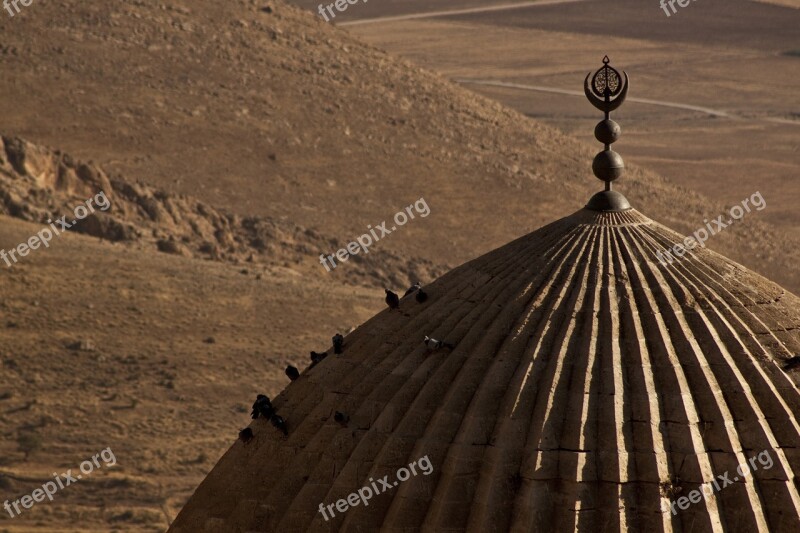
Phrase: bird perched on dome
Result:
[246,435]
[292,372]
[433,344]
[792,363]
[392,299]
[317,357]
[279,423]
[262,407]
[338,342]
[412,289]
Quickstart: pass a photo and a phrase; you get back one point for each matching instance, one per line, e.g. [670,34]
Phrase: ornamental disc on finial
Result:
[606,90]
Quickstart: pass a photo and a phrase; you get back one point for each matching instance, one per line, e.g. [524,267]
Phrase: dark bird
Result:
[414,288]
[279,423]
[792,363]
[433,344]
[338,342]
[246,435]
[261,407]
[392,300]
[421,296]
[317,357]
[672,487]
[341,418]
[292,372]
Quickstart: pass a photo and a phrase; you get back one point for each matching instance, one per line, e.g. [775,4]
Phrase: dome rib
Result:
[642,448]
[646,442]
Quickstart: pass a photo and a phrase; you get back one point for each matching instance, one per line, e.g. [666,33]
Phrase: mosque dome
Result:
[581,384]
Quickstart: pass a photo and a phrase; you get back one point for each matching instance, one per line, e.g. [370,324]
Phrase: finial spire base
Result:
[608,202]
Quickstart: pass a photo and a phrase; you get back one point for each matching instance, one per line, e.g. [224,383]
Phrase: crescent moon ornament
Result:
[603,102]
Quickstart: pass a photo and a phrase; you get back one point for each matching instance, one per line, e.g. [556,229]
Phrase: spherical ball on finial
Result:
[607,131]
[608,165]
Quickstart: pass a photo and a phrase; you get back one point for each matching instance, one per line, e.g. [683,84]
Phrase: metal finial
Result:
[607,90]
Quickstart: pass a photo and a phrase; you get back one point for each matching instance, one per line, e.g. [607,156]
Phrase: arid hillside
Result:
[266,110]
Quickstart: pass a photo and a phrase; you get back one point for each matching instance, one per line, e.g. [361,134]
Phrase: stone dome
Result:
[589,387]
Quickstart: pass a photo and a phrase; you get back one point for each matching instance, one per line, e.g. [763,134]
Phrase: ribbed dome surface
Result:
[587,386]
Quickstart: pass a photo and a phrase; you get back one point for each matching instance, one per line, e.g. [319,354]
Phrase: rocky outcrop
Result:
[40,185]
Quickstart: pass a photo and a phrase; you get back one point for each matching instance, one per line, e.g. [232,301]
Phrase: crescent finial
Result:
[606,90]
[606,105]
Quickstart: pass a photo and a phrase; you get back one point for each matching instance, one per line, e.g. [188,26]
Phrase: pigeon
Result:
[246,435]
[392,300]
[261,398]
[671,487]
[338,342]
[792,363]
[421,296]
[342,418]
[279,423]
[317,357]
[414,288]
[433,344]
[292,372]
[262,407]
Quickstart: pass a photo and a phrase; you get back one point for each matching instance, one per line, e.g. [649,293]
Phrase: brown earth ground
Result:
[147,383]
[281,116]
